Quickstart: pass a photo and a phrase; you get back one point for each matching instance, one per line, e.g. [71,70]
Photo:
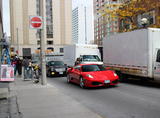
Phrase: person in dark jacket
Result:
[14,64]
[26,67]
[78,61]
[19,66]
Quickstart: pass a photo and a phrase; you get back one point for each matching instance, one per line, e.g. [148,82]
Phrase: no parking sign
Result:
[36,22]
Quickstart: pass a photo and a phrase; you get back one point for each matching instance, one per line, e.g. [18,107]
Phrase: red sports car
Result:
[91,75]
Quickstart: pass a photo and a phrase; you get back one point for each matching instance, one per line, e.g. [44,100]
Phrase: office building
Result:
[83,22]
[104,25]
[57,25]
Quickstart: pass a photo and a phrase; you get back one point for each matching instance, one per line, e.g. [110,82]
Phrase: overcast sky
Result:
[75,3]
[6,15]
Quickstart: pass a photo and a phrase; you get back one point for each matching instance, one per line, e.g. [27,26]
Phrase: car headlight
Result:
[90,76]
[115,74]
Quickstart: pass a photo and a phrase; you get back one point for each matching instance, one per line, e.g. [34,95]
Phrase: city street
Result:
[130,99]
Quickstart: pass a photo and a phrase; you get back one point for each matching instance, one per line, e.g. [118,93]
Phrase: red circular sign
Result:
[36,22]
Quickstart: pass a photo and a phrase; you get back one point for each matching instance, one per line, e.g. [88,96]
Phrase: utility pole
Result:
[42,48]
[85,25]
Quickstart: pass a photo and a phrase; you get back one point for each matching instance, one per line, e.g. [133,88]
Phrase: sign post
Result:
[36,22]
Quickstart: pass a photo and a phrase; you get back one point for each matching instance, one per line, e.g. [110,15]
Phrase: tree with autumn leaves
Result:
[129,11]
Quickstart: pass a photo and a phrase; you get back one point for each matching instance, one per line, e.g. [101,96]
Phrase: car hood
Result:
[103,75]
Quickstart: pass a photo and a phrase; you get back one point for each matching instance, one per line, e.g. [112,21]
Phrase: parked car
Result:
[55,68]
[92,75]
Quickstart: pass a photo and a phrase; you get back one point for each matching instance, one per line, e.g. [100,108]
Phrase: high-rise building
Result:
[1,26]
[57,25]
[104,24]
[1,23]
[83,22]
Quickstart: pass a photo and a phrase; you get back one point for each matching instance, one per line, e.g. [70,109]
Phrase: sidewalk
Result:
[4,102]
[8,102]
[38,101]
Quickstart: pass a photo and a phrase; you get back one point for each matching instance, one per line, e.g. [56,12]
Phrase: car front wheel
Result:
[48,74]
[81,83]
[68,78]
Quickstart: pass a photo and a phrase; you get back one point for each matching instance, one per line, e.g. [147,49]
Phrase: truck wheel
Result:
[122,77]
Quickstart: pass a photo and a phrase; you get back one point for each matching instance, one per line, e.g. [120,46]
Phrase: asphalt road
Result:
[130,99]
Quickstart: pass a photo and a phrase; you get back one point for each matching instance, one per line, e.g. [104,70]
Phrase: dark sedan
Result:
[56,68]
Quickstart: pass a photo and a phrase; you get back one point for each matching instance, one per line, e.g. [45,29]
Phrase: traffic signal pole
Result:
[42,48]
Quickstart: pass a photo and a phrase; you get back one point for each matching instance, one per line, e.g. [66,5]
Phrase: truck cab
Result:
[87,59]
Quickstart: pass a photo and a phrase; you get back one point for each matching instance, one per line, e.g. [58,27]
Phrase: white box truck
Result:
[87,54]
[134,53]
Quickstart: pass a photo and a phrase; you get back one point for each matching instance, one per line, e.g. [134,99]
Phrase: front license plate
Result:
[107,81]
[60,72]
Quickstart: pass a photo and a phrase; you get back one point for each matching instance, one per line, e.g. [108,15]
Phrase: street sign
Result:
[36,22]
[7,73]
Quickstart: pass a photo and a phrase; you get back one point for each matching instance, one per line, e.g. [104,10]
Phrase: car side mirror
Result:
[70,66]
[70,69]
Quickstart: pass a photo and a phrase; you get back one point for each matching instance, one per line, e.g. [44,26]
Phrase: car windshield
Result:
[89,68]
[90,58]
[55,63]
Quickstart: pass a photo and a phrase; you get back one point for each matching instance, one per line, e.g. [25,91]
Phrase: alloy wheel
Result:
[68,79]
[81,83]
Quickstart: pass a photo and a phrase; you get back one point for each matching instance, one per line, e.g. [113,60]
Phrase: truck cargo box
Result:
[133,52]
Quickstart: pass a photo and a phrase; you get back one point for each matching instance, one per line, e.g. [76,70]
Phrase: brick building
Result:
[104,24]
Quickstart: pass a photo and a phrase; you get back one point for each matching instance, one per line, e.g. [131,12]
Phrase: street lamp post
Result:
[144,22]
[17,43]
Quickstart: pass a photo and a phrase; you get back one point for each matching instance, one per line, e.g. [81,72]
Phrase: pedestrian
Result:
[25,64]
[78,60]
[14,64]
[19,66]
[30,68]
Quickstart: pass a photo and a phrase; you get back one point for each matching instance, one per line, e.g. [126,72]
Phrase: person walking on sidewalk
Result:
[14,64]
[19,66]
[26,67]
[30,68]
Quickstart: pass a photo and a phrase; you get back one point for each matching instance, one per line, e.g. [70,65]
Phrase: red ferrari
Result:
[91,75]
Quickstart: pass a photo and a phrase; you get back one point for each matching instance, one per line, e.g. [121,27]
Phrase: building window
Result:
[38,42]
[49,42]
[61,50]
[50,48]
[38,14]
[49,19]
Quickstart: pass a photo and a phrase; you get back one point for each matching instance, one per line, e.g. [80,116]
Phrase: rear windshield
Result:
[89,68]
[90,58]
[55,63]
